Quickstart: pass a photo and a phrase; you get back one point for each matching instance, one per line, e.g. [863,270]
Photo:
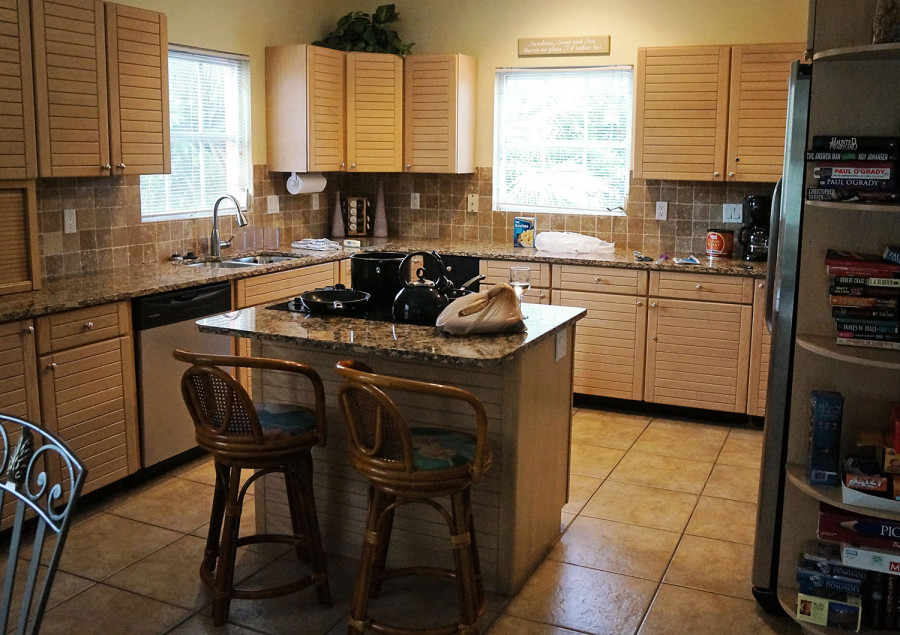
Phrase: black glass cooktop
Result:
[295,306]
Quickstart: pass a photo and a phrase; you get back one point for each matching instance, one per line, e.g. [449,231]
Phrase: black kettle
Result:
[422,300]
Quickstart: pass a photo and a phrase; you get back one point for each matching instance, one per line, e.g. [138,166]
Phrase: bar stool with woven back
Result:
[413,464]
[266,438]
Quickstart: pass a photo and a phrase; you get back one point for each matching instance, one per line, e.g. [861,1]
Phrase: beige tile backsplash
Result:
[110,232]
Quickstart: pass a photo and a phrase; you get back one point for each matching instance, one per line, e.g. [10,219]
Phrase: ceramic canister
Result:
[719,243]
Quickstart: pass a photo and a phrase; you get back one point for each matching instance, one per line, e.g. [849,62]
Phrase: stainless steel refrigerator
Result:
[781,304]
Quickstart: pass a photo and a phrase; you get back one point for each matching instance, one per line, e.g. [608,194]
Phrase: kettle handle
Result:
[404,270]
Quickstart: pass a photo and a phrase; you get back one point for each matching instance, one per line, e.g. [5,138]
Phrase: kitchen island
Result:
[525,383]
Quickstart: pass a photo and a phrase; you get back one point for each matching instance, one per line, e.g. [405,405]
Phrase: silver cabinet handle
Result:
[542,296]
[106,167]
[121,166]
[653,305]
[51,367]
[653,338]
[699,286]
[29,330]
[731,174]
[597,279]
[408,166]
[639,303]
[88,326]
[342,166]
[352,165]
[715,174]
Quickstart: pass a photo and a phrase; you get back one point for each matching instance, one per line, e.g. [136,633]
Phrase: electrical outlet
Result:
[414,200]
[272,204]
[732,213]
[472,203]
[662,210]
[315,201]
[69,222]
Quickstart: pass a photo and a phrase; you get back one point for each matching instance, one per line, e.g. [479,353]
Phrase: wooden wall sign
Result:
[575,45]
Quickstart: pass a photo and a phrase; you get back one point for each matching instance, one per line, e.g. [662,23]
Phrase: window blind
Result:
[209,115]
[562,139]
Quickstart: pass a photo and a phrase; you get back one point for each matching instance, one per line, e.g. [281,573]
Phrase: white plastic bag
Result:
[491,311]
[571,243]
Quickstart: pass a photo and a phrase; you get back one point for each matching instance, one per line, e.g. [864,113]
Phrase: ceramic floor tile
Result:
[682,439]
[565,520]
[583,599]
[105,544]
[203,625]
[722,519]
[618,548]
[174,503]
[607,429]
[509,625]
[593,461]
[677,610]
[581,488]
[712,565]
[664,472]
[743,448]
[733,483]
[103,609]
[171,574]
[65,586]
[640,505]
[202,471]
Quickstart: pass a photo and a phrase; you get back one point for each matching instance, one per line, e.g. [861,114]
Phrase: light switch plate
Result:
[414,200]
[662,210]
[472,203]
[732,213]
[70,225]
[272,204]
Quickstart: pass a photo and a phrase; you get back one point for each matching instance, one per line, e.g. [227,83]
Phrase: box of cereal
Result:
[523,231]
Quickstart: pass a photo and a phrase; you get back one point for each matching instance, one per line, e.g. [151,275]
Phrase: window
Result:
[562,139]
[209,123]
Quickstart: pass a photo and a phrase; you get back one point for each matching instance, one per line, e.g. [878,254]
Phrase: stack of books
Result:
[847,168]
[865,292]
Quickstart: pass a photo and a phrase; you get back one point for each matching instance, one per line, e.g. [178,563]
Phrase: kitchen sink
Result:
[259,260]
[224,264]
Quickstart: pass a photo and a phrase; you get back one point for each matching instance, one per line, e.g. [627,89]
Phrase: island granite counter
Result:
[525,383]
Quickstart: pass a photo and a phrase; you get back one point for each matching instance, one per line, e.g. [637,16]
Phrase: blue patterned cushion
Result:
[279,419]
[436,449]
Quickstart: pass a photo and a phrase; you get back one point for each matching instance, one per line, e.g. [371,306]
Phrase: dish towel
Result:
[315,244]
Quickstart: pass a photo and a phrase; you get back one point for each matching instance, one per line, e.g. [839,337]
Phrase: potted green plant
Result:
[359,31]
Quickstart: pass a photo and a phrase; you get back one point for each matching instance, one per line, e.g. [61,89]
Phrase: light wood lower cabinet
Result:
[697,354]
[760,343]
[18,372]
[282,285]
[88,393]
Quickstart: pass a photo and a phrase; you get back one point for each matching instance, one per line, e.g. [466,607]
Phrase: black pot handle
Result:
[406,263]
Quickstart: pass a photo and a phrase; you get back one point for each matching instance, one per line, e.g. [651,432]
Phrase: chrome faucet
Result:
[215,245]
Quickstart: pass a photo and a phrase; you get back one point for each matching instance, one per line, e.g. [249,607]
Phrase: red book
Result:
[853,263]
[863,531]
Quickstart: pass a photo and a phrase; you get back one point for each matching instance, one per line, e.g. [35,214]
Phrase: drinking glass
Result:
[520,281]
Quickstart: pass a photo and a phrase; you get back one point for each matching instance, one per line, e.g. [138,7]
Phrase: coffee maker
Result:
[754,234]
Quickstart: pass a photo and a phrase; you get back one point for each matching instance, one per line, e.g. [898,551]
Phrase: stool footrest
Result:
[433,572]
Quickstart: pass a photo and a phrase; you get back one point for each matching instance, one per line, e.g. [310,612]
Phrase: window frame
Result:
[244,143]
[505,206]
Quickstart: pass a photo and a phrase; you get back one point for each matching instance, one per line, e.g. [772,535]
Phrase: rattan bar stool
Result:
[403,465]
[265,438]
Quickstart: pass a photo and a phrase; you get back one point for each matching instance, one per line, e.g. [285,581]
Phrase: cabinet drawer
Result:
[497,271]
[701,286]
[602,279]
[73,328]
[271,287]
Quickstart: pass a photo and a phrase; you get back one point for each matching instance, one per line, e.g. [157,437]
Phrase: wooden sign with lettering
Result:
[576,45]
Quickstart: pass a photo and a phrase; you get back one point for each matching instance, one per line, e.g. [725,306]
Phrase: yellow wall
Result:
[487,29]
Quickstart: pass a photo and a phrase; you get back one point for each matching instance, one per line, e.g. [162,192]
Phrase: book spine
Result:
[892,254]
[861,269]
[859,301]
[838,196]
[867,281]
[832,569]
[869,329]
[851,156]
[874,611]
[881,337]
[867,343]
[857,184]
[864,290]
[862,313]
[890,601]
[825,412]
[835,143]
[855,170]
[817,581]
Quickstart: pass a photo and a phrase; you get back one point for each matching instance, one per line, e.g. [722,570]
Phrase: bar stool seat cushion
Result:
[437,449]
[285,420]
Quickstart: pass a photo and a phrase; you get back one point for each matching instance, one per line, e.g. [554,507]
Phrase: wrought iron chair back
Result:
[40,482]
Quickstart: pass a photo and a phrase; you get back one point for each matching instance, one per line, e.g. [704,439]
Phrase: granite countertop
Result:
[390,340]
[89,289]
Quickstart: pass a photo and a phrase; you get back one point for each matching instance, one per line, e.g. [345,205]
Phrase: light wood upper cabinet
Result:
[681,113]
[138,66]
[439,117]
[305,109]
[758,109]
[20,262]
[712,113]
[78,87]
[18,152]
[374,112]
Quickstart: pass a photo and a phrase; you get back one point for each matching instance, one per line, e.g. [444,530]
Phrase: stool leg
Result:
[479,579]
[362,589]
[227,551]
[464,560]
[211,552]
[387,526]
[307,499]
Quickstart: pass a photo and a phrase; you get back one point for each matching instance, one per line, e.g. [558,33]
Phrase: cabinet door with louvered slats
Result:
[681,105]
[20,261]
[70,88]
[18,153]
[757,110]
[374,112]
[325,91]
[137,61]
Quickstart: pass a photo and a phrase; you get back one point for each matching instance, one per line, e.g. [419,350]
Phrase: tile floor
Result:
[658,539]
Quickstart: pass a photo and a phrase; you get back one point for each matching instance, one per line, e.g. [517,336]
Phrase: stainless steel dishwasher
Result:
[163,322]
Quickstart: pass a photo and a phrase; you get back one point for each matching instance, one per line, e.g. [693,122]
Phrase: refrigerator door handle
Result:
[774,226]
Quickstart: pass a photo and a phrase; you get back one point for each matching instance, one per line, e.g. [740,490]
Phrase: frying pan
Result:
[335,300]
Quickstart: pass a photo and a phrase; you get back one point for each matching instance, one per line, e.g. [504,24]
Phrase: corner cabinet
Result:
[374,112]
[439,119]
[712,113]
[94,61]
[18,152]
